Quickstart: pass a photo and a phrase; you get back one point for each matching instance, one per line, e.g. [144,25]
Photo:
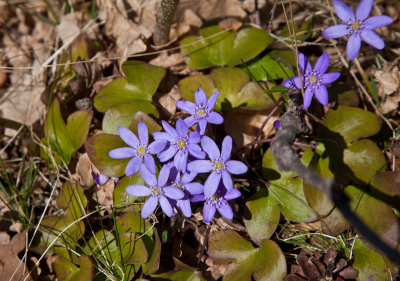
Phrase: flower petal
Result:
[128,137]
[200,166]
[322,63]
[167,154]
[236,167]
[211,101]
[377,21]
[188,177]
[150,164]
[163,136]
[322,95]
[328,78]
[373,39]
[165,206]
[226,148]
[200,97]
[143,133]
[173,192]
[186,106]
[211,184]
[169,129]
[336,31]
[157,146]
[194,137]
[208,212]
[180,160]
[197,198]
[194,188]
[343,11]
[227,180]
[184,205]
[210,148]
[138,190]
[190,121]
[364,9]
[181,128]
[292,83]
[163,175]
[214,118]
[149,206]
[202,126]
[353,46]
[147,176]
[133,166]
[196,151]
[122,153]
[225,210]
[232,194]
[308,94]
[304,64]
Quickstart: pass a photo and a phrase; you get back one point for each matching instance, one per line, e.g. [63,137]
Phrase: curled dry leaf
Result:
[105,194]
[84,171]
[388,80]
[213,9]
[185,21]
[168,101]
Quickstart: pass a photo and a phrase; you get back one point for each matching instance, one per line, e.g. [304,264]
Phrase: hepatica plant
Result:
[313,80]
[176,185]
[357,26]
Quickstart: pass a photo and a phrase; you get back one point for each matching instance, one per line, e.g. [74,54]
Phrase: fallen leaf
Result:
[168,101]
[185,22]
[68,28]
[388,80]
[11,267]
[105,194]
[213,9]
[84,171]
[165,60]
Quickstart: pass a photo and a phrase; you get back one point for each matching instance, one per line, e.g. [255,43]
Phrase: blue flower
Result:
[184,183]
[314,80]
[357,26]
[181,143]
[219,165]
[201,111]
[158,191]
[139,149]
[217,202]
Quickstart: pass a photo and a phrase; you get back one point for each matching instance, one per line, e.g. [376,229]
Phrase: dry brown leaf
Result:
[388,80]
[165,60]
[390,104]
[168,101]
[68,27]
[11,267]
[213,9]
[4,238]
[16,227]
[127,34]
[185,21]
[84,171]
[105,194]
[243,125]
[230,23]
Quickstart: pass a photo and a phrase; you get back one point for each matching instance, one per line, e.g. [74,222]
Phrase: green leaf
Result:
[234,85]
[133,248]
[98,147]
[181,272]
[261,216]
[154,263]
[72,200]
[352,123]
[287,187]
[370,264]
[78,126]
[364,159]
[245,261]
[267,69]
[67,271]
[216,47]
[123,199]
[133,222]
[123,97]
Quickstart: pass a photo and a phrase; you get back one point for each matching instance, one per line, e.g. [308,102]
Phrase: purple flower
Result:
[201,110]
[219,165]
[217,202]
[357,26]
[277,124]
[101,179]
[314,80]
[181,143]
[184,183]
[158,191]
[138,150]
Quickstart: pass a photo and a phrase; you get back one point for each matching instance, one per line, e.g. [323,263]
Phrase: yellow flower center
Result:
[142,150]
[201,112]
[181,144]
[355,25]
[157,191]
[218,165]
[313,79]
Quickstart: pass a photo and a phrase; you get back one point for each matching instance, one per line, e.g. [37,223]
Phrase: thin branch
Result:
[292,124]
[165,16]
